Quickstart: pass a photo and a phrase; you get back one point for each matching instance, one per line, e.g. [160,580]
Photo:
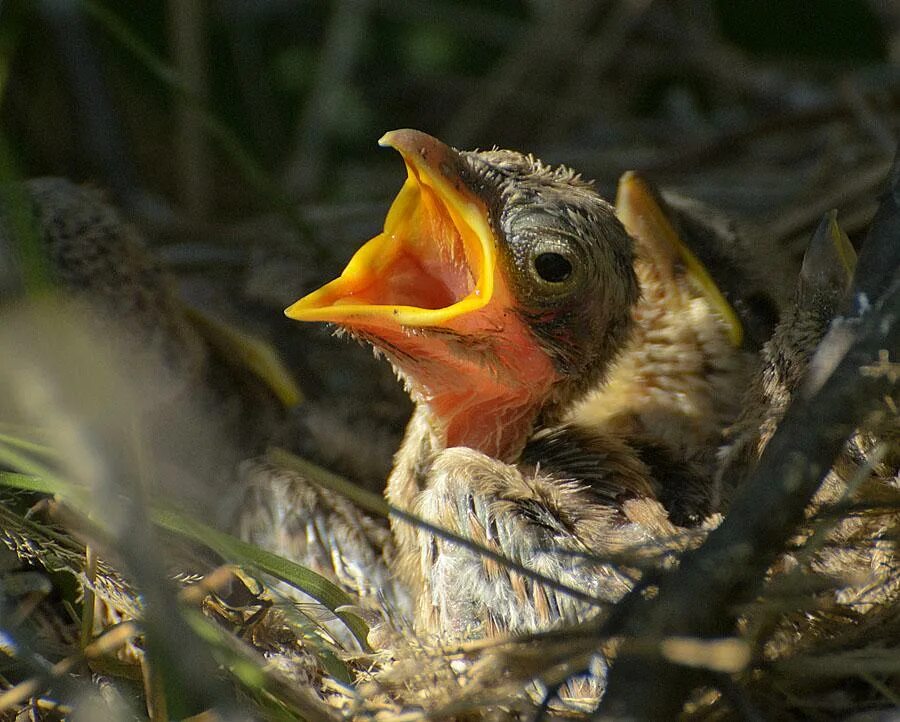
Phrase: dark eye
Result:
[553,267]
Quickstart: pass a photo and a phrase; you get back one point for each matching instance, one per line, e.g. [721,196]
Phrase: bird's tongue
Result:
[433,262]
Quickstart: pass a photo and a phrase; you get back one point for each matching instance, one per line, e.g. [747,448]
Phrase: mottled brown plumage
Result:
[97,259]
[485,455]
[94,256]
[678,379]
[856,560]
[822,288]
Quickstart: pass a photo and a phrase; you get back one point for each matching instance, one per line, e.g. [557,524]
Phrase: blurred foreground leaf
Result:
[225,545]
[26,251]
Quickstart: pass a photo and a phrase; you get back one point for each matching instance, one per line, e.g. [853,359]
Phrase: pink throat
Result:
[497,425]
[482,379]
[485,396]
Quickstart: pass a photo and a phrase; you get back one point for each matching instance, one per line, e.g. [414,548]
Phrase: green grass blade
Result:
[240,552]
[227,546]
[249,669]
[31,447]
[26,482]
[36,475]
[16,207]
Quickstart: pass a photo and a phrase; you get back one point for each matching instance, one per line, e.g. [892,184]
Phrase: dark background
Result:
[240,137]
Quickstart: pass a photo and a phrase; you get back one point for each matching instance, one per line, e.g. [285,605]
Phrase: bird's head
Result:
[500,289]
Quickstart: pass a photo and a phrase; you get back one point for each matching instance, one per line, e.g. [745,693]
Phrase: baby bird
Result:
[833,594]
[821,291]
[679,379]
[858,557]
[97,259]
[501,290]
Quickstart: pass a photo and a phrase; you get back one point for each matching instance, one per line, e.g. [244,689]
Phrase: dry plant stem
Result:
[866,117]
[536,50]
[88,600]
[731,565]
[24,609]
[708,151]
[599,54]
[154,692]
[229,143]
[487,23]
[344,44]
[52,706]
[109,642]
[101,130]
[882,688]
[303,698]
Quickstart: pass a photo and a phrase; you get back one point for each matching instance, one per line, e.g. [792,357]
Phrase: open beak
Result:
[433,262]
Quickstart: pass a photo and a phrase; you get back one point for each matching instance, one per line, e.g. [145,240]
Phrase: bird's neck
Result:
[484,390]
[489,407]
[497,424]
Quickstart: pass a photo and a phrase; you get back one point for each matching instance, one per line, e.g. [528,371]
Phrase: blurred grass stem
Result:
[187,37]
[227,139]
[35,275]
